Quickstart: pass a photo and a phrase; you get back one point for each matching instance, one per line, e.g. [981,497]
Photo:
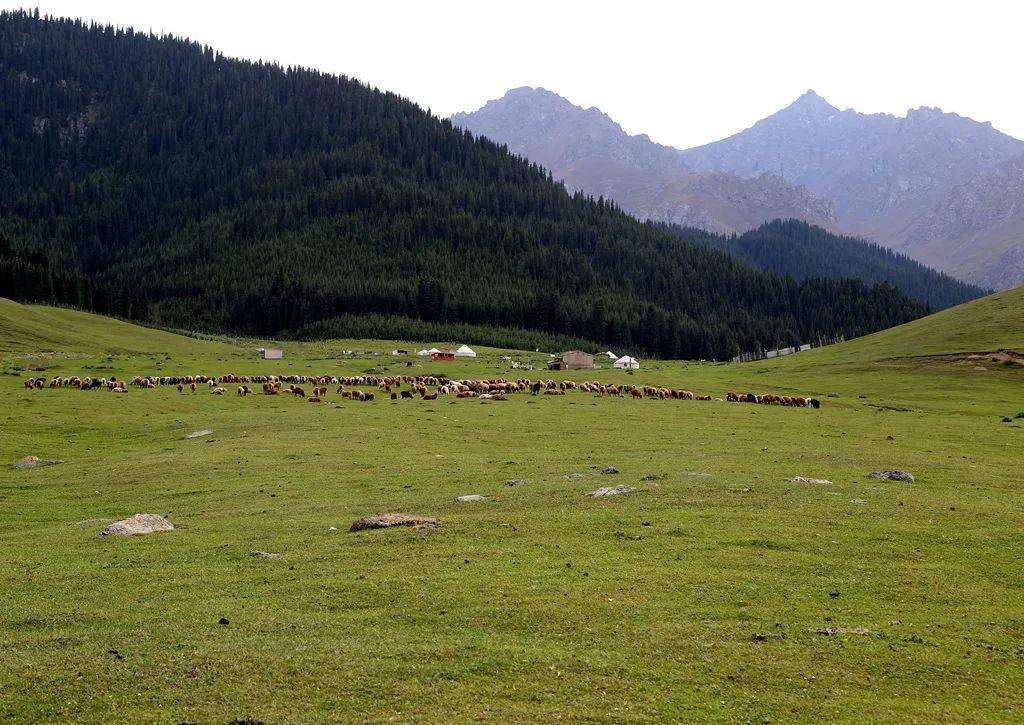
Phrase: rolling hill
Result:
[157,180]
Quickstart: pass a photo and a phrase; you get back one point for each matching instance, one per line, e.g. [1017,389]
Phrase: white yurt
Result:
[626,363]
[465,351]
[424,353]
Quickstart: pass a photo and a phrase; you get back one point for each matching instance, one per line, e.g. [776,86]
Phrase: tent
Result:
[465,351]
[626,363]
[424,353]
[610,355]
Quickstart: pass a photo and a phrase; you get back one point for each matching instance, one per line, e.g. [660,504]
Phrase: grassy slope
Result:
[539,603]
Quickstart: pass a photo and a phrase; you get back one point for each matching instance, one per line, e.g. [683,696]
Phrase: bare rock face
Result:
[892,475]
[611,491]
[386,521]
[35,462]
[139,524]
[591,153]
[469,498]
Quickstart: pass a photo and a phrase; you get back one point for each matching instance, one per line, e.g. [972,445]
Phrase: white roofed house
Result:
[626,363]
[465,351]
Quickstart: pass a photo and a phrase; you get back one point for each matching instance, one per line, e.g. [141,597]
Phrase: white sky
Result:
[683,72]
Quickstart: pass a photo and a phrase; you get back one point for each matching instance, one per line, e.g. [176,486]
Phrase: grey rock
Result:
[198,434]
[805,479]
[609,470]
[265,555]
[34,462]
[386,521]
[892,475]
[138,524]
[469,498]
[611,491]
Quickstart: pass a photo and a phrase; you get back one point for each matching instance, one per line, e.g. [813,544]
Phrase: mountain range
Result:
[943,189]
[158,180]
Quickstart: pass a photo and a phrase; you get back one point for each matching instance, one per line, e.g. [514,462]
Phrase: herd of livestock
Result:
[425,387]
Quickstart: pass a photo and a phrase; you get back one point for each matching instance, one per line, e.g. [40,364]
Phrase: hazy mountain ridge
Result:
[588,151]
[926,184]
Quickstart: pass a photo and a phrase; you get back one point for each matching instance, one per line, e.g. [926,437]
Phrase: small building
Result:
[442,356]
[465,351]
[572,360]
[627,363]
[272,353]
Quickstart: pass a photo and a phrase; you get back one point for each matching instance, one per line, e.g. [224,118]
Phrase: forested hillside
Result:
[803,251]
[155,179]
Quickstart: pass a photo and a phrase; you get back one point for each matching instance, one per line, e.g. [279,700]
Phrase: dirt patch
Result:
[386,521]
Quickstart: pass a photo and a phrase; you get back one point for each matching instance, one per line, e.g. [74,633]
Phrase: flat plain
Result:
[718,590]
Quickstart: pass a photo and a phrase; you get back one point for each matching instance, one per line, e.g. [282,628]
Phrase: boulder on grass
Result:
[139,524]
[611,491]
[386,521]
[469,498]
[805,479]
[892,475]
[35,462]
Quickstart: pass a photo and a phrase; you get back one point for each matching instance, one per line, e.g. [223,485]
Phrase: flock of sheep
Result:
[396,387]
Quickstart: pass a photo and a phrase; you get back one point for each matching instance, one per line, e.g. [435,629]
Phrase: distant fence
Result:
[783,351]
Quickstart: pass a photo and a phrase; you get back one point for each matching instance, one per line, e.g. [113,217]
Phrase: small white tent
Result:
[610,355]
[626,363]
[424,353]
[465,351]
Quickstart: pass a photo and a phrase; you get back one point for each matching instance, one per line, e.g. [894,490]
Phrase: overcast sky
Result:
[683,72]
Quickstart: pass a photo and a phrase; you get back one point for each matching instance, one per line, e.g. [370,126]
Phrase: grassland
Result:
[698,597]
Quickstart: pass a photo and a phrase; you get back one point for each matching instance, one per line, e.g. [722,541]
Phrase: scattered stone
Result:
[893,475]
[199,434]
[609,470]
[652,477]
[35,462]
[1007,419]
[139,524]
[223,620]
[805,479]
[265,555]
[833,631]
[514,482]
[610,491]
[115,654]
[469,498]
[333,528]
[834,595]
[385,521]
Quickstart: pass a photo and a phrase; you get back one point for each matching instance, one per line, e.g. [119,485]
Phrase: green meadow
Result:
[718,590]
